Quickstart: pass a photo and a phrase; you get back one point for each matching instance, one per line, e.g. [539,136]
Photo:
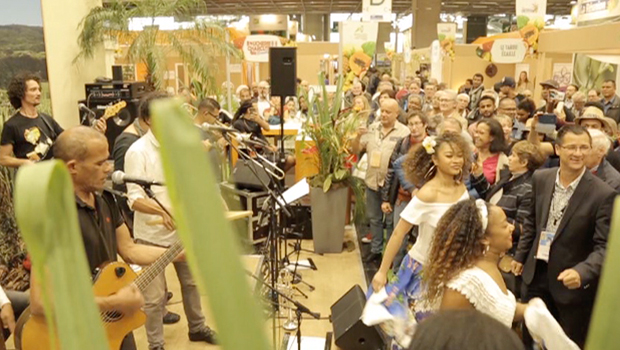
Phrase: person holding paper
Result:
[562,247]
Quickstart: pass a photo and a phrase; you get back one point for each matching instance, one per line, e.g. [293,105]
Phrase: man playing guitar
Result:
[28,135]
[85,152]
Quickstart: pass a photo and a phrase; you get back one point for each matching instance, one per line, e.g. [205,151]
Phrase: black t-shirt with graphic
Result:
[32,138]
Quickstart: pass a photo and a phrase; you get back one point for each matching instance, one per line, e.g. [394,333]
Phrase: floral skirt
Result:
[404,291]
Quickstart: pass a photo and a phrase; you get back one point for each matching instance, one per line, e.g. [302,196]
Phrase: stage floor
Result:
[335,275]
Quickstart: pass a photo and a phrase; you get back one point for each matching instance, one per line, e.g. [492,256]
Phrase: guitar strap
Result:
[53,134]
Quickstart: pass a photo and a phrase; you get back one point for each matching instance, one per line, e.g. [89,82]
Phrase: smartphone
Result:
[548,118]
[557,95]
[546,123]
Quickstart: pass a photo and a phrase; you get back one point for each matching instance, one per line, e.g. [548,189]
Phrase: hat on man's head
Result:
[550,83]
[593,113]
[508,81]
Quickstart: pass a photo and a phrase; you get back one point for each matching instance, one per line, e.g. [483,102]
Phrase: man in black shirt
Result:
[28,135]
[85,152]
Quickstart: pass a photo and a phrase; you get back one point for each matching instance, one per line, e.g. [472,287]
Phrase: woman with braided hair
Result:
[437,167]
[462,271]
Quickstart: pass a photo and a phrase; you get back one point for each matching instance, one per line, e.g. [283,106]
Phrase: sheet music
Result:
[296,192]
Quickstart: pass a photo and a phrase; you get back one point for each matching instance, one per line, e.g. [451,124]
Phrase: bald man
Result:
[379,143]
[105,235]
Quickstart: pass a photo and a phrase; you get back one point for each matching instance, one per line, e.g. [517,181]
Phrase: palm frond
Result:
[99,23]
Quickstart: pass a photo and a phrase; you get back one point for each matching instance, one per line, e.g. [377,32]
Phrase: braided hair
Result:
[456,246]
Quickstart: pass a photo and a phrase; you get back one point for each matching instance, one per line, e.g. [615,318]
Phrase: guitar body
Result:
[112,277]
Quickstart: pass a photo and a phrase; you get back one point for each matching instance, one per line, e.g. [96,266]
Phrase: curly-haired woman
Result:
[462,271]
[438,166]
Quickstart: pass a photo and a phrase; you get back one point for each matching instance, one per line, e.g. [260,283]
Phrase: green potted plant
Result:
[331,129]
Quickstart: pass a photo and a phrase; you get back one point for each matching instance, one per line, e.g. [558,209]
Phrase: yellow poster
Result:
[446,33]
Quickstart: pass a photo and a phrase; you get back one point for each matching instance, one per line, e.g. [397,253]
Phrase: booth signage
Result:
[377,10]
[446,34]
[358,44]
[597,11]
[508,51]
[256,47]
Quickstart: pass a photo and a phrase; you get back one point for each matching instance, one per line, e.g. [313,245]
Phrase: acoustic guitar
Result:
[110,279]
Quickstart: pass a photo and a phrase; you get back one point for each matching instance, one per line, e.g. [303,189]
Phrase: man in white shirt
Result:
[264,100]
[143,160]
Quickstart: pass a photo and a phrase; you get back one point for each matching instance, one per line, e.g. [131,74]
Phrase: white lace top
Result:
[426,216]
[485,295]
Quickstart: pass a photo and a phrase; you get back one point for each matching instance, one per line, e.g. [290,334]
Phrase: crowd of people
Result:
[483,198]
[490,200]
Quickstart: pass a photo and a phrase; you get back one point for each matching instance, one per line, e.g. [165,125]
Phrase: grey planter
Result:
[328,218]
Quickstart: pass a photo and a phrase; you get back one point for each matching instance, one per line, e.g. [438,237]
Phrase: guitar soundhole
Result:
[112,316]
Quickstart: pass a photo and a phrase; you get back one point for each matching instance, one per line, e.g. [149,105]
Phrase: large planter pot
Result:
[328,218]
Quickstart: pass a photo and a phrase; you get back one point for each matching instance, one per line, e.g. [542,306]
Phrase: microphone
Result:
[84,108]
[211,127]
[120,178]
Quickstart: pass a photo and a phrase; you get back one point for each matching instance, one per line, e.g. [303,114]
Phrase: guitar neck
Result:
[148,274]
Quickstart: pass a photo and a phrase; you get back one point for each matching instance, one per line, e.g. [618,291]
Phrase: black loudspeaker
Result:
[117,73]
[349,330]
[115,124]
[283,67]
[246,179]
[476,27]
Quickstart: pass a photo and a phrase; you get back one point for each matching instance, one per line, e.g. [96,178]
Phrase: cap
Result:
[508,81]
[550,83]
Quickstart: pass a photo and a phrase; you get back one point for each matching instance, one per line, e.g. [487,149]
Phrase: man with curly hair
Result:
[28,135]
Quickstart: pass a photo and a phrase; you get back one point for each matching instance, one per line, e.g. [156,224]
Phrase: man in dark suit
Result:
[562,248]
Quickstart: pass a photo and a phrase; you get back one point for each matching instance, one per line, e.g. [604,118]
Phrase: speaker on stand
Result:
[283,73]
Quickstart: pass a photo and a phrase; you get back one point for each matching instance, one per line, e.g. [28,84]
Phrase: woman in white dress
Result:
[437,167]
[462,271]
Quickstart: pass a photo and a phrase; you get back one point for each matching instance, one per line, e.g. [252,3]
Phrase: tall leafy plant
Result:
[47,216]
[603,333]
[332,130]
[202,226]
[197,42]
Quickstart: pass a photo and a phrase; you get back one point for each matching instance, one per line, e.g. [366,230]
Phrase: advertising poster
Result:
[597,11]
[446,34]
[358,44]
[514,46]
[590,73]
[256,47]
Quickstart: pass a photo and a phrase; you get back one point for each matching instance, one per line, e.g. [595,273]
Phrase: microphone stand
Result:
[299,308]
[272,241]
[151,195]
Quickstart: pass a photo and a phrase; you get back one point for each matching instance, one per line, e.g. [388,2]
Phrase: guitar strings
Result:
[145,279]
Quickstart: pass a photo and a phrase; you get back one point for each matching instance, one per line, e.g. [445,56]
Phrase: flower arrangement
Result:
[333,129]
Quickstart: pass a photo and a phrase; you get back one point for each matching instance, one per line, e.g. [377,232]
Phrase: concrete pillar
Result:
[425,19]
[66,80]
[317,25]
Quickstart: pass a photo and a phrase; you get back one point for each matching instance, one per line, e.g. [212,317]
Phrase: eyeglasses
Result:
[574,148]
